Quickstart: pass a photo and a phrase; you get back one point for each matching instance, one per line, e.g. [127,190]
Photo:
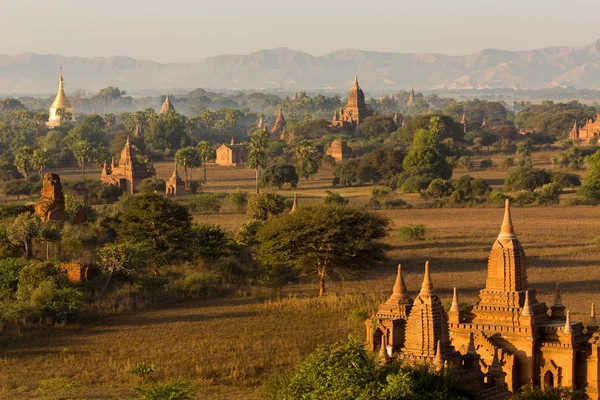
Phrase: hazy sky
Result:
[189,30]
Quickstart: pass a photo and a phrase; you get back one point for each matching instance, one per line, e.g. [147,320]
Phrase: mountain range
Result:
[282,68]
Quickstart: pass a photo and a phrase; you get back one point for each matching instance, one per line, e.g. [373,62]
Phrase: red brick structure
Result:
[232,154]
[166,106]
[591,130]
[51,206]
[355,111]
[339,150]
[175,185]
[128,172]
[508,336]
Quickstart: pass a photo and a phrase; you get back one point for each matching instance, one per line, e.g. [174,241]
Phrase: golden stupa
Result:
[61,101]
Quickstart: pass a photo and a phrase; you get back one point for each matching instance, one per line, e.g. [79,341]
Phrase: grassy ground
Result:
[228,346]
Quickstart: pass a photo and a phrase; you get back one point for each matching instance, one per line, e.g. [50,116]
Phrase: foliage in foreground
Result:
[345,372]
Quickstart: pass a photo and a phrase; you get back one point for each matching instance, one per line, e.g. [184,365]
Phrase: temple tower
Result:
[166,106]
[61,102]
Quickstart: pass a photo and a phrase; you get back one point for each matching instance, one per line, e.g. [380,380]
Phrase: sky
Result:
[190,30]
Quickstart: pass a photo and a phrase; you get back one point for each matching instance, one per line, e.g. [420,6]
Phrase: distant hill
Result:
[283,68]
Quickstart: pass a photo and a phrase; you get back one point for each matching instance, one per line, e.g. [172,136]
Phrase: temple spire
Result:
[438,359]
[175,173]
[384,357]
[400,292]
[507,231]
[527,311]
[568,328]
[593,320]
[232,141]
[355,81]
[471,348]
[294,204]
[455,307]
[557,297]
[427,286]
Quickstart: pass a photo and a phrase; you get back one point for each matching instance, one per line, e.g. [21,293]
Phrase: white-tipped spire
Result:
[568,328]
[526,306]
[427,286]
[507,230]
[439,359]
[455,307]
[593,320]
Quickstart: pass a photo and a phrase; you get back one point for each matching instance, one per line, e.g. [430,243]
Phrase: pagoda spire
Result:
[568,328]
[557,310]
[557,297]
[527,311]
[232,141]
[294,204]
[400,292]
[507,231]
[593,320]
[427,286]
[455,307]
[439,358]
[384,357]
[471,348]
[175,173]
[355,85]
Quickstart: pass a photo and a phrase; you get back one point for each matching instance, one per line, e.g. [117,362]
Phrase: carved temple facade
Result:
[506,341]
[355,111]
[128,172]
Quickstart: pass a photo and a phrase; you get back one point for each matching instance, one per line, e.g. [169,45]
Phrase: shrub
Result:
[13,210]
[497,197]
[549,194]
[412,232]
[59,388]
[10,268]
[264,205]
[209,241]
[486,163]
[174,389]
[508,162]
[75,209]
[193,187]
[200,284]
[395,203]
[246,234]
[438,188]
[279,175]
[332,198]
[465,162]
[526,198]
[58,305]
[206,203]
[415,184]
[142,370]
[32,275]
[238,200]
[153,185]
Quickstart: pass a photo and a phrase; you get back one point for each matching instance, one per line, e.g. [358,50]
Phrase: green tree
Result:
[307,159]
[188,157]
[24,161]
[39,160]
[50,233]
[525,178]
[24,229]
[321,240]
[205,151]
[82,150]
[209,241]
[119,258]
[257,156]
[524,148]
[279,175]
[264,205]
[160,224]
[425,155]
[16,188]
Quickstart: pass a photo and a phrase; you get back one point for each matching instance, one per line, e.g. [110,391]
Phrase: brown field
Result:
[228,346]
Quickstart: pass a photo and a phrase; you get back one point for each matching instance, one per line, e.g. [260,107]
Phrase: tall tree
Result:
[23,230]
[39,160]
[205,152]
[257,157]
[82,150]
[24,161]
[188,157]
[307,158]
[321,240]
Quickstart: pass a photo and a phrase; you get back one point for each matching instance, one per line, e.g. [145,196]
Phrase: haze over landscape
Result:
[299,45]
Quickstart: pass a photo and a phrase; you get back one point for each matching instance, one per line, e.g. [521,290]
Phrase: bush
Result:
[57,305]
[264,205]
[465,162]
[238,200]
[13,210]
[209,241]
[153,185]
[395,203]
[200,284]
[279,175]
[193,187]
[142,370]
[332,198]
[497,197]
[206,203]
[175,389]
[32,275]
[246,234]
[412,232]
[486,163]
[438,189]
[508,163]
[526,198]
[10,268]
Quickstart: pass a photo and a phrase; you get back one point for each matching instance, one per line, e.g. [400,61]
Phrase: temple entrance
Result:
[377,338]
[548,380]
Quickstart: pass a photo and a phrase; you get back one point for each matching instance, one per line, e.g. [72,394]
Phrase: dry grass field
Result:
[228,346]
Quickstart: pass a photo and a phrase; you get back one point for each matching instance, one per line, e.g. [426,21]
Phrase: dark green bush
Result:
[206,203]
[10,268]
[413,232]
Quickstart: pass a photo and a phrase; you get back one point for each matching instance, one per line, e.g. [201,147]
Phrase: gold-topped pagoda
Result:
[61,102]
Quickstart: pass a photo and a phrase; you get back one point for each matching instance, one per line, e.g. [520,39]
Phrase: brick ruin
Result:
[51,206]
[507,340]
